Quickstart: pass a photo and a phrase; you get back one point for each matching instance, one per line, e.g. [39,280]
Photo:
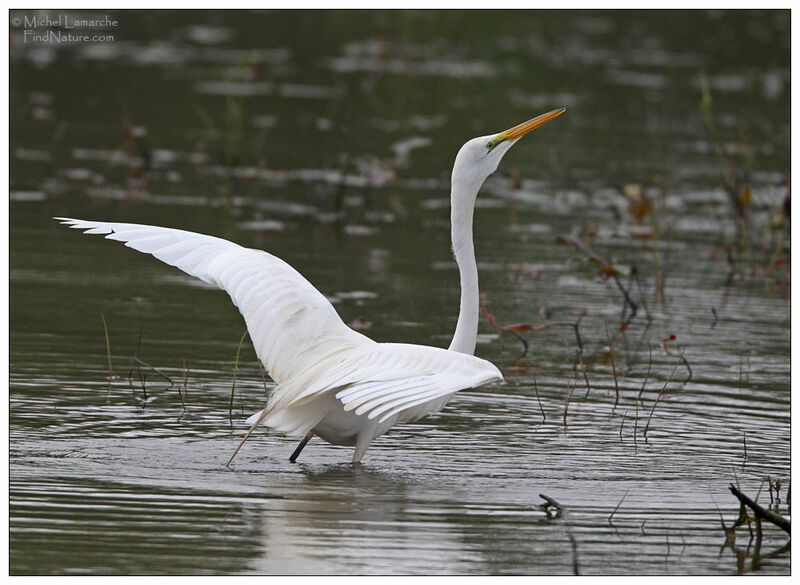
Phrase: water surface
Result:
[327,139]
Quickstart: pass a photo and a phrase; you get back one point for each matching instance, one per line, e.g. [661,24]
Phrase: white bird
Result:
[332,381]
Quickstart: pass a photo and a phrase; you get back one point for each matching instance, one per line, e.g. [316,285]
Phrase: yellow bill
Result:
[521,130]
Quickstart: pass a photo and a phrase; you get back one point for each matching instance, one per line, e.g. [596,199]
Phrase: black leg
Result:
[300,447]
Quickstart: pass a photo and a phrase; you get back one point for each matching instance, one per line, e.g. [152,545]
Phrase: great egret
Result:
[332,381]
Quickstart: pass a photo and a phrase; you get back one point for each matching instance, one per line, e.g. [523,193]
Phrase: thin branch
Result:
[561,514]
[608,270]
[574,543]
[624,416]
[508,328]
[585,375]
[681,356]
[628,301]
[647,376]
[536,389]
[515,328]
[550,502]
[618,505]
[760,512]
[744,442]
[142,381]
[635,274]
[108,350]
[569,397]
[135,354]
[185,384]
[155,369]
[235,369]
[658,397]
[575,326]
[613,368]
[639,398]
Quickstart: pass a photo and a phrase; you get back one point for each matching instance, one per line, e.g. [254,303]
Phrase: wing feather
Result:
[291,324]
[405,403]
[391,377]
[382,402]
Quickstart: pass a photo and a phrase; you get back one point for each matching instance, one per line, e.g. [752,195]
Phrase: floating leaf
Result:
[519,327]
[641,207]
[609,270]
[745,197]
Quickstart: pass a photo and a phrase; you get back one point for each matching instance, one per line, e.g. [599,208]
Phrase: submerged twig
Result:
[548,502]
[647,375]
[761,512]
[613,368]
[561,514]
[536,389]
[575,326]
[624,416]
[185,385]
[137,362]
[579,351]
[688,367]
[641,391]
[142,381]
[141,362]
[576,569]
[585,376]
[108,350]
[681,356]
[744,443]
[569,397]
[666,556]
[635,274]
[658,396]
[622,499]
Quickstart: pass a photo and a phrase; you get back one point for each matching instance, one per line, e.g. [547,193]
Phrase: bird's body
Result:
[332,381]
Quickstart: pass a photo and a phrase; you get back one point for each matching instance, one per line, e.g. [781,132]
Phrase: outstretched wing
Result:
[291,324]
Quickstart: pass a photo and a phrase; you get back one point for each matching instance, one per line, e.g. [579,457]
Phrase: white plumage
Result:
[334,382]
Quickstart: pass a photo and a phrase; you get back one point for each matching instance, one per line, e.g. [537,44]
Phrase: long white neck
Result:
[462,201]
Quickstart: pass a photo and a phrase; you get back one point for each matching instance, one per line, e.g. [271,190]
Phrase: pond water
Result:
[327,139]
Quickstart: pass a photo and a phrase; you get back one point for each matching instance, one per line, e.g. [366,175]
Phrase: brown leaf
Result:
[518,327]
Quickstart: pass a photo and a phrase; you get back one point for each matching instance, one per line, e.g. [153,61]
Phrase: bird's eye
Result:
[489,145]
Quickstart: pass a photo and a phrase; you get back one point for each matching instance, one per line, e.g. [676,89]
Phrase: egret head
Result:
[479,157]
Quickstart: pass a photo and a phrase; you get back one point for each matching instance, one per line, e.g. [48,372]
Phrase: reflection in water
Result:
[386,522]
[351,516]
